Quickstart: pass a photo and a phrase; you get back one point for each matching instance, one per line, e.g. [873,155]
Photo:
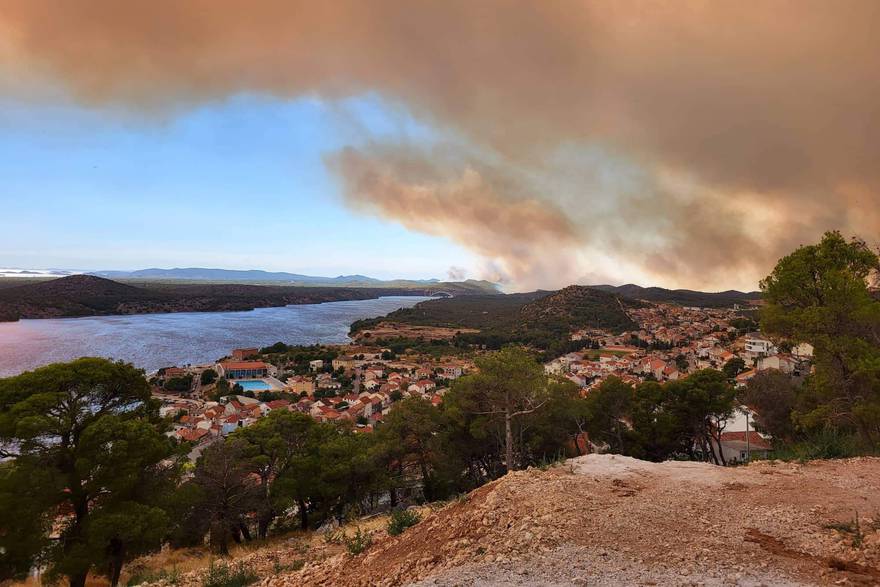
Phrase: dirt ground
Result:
[387,330]
[612,520]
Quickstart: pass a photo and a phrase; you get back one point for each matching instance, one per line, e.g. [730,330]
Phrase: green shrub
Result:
[334,537]
[179,383]
[401,520]
[853,529]
[357,543]
[546,462]
[223,575]
[208,377]
[827,444]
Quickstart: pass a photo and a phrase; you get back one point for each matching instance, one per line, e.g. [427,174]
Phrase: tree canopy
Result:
[509,386]
[819,294]
[682,418]
[84,438]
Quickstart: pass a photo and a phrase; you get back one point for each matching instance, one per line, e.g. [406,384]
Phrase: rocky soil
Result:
[611,520]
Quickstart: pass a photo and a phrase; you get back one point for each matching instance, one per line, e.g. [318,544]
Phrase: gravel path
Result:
[571,565]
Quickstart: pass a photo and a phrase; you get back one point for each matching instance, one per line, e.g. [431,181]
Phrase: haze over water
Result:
[151,341]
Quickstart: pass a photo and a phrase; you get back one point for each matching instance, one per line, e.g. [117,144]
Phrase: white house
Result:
[231,423]
[758,345]
[739,447]
[740,441]
[452,371]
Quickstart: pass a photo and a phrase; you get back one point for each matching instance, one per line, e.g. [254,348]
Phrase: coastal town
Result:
[673,341]
[408,294]
[359,383]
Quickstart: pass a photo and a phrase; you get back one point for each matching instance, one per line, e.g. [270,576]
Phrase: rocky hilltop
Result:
[611,520]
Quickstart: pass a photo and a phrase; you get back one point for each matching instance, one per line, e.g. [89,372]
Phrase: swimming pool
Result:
[254,384]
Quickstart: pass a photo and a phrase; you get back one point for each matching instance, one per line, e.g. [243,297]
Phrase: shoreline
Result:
[162,312]
[151,341]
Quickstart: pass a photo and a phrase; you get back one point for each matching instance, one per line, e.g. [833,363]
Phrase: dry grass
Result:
[386,330]
[188,561]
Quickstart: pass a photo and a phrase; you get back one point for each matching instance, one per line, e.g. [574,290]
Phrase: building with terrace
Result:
[243,369]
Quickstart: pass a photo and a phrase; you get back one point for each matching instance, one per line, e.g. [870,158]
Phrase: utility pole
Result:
[748,442]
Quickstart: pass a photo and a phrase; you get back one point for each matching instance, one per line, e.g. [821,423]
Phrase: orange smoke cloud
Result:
[751,128]
[524,239]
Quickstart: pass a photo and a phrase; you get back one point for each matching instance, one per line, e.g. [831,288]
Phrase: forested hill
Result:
[476,311]
[543,319]
[87,295]
[580,307]
[684,297]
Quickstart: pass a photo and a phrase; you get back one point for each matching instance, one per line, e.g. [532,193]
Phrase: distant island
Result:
[89,295]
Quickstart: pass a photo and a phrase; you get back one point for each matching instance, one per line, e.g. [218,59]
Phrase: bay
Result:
[151,341]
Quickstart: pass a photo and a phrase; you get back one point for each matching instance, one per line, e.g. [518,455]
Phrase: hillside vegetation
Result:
[578,307]
[477,311]
[542,319]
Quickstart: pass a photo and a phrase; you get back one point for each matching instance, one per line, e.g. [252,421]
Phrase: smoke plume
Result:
[455,273]
[525,240]
[687,143]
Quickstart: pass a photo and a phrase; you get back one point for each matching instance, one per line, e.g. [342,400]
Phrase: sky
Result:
[536,144]
[235,183]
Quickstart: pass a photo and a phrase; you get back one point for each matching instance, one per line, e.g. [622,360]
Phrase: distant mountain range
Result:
[277,277]
[206,274]
[685,297]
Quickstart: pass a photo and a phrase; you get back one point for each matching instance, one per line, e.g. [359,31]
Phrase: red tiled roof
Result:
[241,365]
[192,434]
[755,439]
